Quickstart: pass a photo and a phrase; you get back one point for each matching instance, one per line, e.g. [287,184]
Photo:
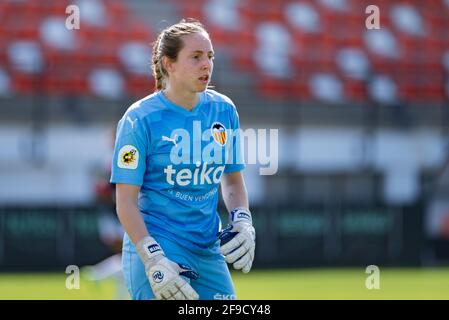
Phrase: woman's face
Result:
[192,70]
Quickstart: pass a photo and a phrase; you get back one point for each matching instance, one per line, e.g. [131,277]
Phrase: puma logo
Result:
[165,138]
[131,121]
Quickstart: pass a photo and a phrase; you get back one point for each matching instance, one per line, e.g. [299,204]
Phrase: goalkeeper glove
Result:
[164,274]
[237,241]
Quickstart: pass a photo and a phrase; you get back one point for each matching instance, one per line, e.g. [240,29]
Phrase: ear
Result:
[167,63]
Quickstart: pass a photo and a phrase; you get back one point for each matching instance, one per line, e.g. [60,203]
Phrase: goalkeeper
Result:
[174,247]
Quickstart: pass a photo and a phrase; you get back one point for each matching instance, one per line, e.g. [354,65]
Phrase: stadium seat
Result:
[139,86]
[242,57]
[353,63]
[221,36]
[71,81]
[266,11]
[222,17]
[300,89]
[25,83]
[106,82]
[274,88]
[303,17]
[138,31]
[382,89]
[412,41]
[190,9]
[327,87]
[117,11]
[355,90]
[406,19]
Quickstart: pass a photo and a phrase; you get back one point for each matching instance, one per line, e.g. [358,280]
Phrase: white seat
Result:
[25,56]
[353,62]
[224,14]
[382,42]
[336,5]
[303,17]
[54,33]
[407,19]
[383,89]
[107,83]
[92,12]
[135,57]
[326,87]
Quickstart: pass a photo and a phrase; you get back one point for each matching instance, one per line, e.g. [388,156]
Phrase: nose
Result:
[207,64]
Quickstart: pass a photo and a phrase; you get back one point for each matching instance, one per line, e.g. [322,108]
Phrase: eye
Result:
[196,57]
[211,57]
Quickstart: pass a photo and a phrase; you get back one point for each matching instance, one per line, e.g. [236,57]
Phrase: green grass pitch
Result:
[429,283]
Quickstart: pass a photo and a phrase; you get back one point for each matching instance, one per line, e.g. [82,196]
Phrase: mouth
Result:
[204,79]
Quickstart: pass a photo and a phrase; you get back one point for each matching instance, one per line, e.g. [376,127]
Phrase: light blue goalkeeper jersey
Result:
[177,157]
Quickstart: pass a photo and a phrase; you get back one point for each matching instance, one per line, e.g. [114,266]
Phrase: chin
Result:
[202,88]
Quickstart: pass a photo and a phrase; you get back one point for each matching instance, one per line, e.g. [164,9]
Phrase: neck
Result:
[182,98]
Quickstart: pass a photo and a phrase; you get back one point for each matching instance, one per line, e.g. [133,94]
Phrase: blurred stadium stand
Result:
[362,115]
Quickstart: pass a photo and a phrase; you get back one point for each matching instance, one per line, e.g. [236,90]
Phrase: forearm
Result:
[235,195]
[237,241]
[168,284]
[131,221]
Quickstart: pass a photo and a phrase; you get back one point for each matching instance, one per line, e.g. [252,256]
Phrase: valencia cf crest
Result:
[219,133]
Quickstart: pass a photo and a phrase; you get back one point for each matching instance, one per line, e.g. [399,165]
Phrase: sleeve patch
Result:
[128,157]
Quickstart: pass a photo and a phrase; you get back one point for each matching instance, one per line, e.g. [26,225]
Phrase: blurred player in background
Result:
[110,230]
[168,209]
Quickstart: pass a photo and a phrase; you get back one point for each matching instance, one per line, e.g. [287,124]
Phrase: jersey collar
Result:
[180,109]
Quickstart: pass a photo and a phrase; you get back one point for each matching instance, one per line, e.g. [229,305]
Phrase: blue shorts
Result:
[214,282]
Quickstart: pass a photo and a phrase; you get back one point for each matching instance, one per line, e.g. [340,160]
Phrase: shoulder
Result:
[224,101]
[139,112]
[145,107]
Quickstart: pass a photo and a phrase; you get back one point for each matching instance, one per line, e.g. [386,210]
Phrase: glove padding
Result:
[163,274]
[237,241]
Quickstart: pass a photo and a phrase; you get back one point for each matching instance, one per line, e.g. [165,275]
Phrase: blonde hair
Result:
[168,44]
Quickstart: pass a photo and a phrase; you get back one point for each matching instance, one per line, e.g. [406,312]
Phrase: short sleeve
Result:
[234,158]
[130,152]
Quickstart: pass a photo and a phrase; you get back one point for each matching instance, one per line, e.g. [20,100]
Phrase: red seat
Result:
[116,11]
[300,88]
[271,11]
[26,28]
[191,9]
[25,83]
[103,53]
[355,90]
[274,88]
[436,93]
[3,53]
[383,65]
[139,86]
[139,32]
[309,41]
[109,33]
[75,84]
[57,8]
[220,36]
[319,59]
[3,7]
[243,57]
[417,89]
[66,80]
[84,56]
[246,38]
[13,8]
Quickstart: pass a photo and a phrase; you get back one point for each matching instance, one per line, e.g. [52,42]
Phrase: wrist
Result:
[240,214]
[149,250]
